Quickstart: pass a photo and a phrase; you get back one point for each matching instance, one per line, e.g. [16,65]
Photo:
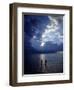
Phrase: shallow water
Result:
[43,63]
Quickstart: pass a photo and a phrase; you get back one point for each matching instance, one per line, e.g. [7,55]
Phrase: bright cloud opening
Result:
[52,33]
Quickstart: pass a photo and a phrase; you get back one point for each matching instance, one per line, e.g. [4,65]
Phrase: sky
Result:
[43,33]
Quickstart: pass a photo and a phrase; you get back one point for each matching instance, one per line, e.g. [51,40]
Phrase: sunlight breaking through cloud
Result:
[52,33]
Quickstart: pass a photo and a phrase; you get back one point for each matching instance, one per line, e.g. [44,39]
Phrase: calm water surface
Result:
[43,63]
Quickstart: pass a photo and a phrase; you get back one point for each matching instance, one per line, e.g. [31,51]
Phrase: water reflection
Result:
[43,63]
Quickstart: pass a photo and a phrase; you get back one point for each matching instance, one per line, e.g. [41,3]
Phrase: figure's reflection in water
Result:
[41,65]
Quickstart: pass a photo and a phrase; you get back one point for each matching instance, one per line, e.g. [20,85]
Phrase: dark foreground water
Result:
[43,63]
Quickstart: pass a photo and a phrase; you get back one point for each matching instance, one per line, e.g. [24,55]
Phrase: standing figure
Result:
[41,64]
[46,68]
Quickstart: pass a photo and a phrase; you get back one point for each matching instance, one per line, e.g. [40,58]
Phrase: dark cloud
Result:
[35,26]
